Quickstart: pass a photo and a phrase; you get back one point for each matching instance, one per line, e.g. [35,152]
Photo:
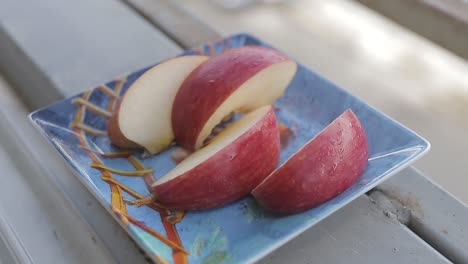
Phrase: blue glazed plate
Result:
[241,232]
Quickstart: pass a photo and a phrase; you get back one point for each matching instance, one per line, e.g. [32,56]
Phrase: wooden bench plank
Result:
[364,219]
[38,224]
[167,15]
[54,49]
[358,233]
[152,13]
[58,48]
[434,215]
[443,22]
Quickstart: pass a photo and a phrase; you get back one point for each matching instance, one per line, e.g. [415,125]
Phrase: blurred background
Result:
[418,82]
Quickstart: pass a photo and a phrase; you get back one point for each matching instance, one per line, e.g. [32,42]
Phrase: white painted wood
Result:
[167,15]
[412,80]
[358,233]
[37,222]
[361,227]
[152,11]
[73,45]
[443,21]
[11,248]
[53,49]
[435,215]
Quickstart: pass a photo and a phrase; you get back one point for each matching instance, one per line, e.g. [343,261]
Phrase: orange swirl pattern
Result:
[118,203]
[168,218]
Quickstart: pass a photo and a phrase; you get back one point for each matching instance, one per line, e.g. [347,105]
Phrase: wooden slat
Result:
[169,16]
[434,215]
[358,233]
[445,22]
[361,227]
[55,49]
[58,48]
[328,255]
[39,225]
[11,240]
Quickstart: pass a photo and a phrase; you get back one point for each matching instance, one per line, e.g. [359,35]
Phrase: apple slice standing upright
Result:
[143,117]
[323,168]
[228,168]
[241,79]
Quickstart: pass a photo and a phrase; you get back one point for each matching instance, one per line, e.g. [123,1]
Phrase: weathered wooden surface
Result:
[62,47]
[431,213]
[443,21]
[416,82]
[177,23]
[366,231]
[38,224]
[54,49]
[358,233]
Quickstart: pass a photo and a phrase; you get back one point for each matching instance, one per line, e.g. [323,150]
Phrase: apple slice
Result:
[241,79]
[229,167]
[143,118]
[323,168]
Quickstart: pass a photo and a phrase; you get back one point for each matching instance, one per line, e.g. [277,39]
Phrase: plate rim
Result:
[424,145]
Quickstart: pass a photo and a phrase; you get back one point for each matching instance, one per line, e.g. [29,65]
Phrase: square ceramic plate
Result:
[241,232]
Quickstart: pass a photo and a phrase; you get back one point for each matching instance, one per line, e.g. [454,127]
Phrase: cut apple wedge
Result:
[241,79]
[143,117]
[228,168]
[323,168]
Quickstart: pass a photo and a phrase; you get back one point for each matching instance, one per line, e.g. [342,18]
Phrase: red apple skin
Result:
[229,174]
[115,134]
[113,127]
[208,86]
[323,168]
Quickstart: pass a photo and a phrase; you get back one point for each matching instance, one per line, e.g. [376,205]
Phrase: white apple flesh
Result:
[323,168]
[228,168]
[143,117]
[240,79]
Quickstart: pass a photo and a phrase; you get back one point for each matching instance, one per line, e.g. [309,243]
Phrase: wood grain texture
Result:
[434,215]
[358,233]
